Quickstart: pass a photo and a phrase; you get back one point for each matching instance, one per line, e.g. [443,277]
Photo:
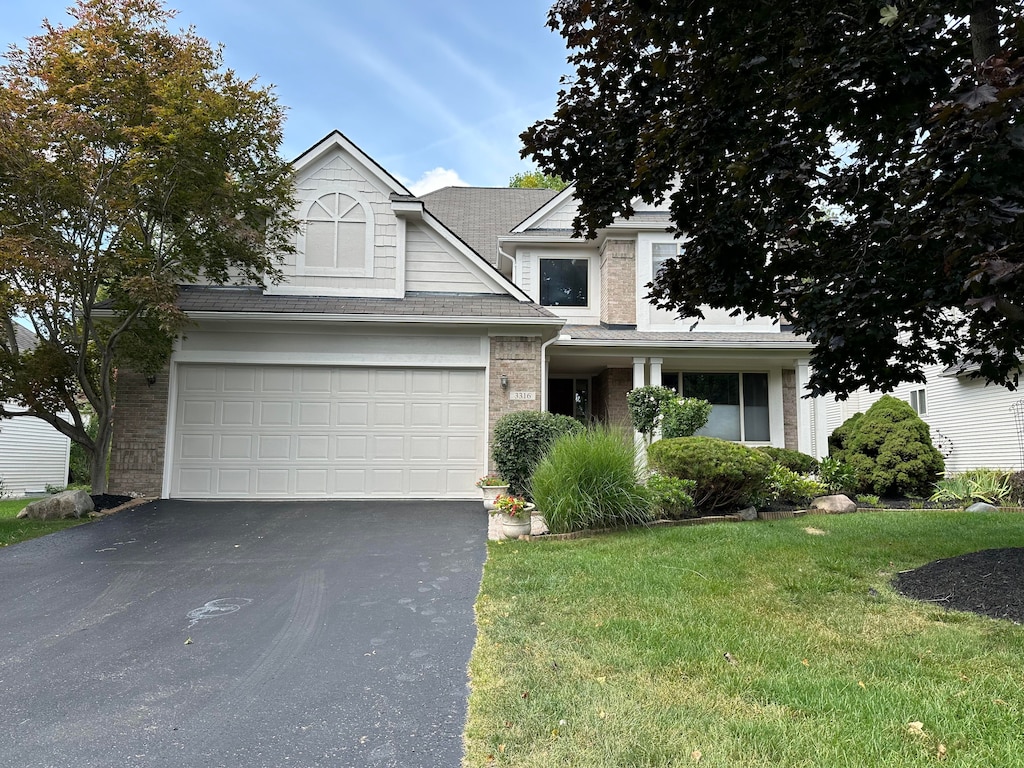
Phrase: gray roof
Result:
[782,339]
[24,338]
[437,305]
[478,215]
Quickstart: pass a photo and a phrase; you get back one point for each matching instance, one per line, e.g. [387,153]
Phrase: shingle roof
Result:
[478,215]
[24,338]
[447,305]
[697,339]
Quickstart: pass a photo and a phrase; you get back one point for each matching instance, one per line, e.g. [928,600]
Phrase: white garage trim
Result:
[292,431]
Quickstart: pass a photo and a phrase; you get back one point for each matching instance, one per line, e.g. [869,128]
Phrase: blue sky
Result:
[437,91]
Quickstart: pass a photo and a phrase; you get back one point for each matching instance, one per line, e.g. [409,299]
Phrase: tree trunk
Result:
[100,454]
[984,30]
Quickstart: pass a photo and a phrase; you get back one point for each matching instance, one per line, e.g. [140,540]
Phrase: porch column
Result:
[805,433]
[638,372]
[656,371]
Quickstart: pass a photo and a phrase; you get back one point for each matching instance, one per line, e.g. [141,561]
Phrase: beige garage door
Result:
[249,431]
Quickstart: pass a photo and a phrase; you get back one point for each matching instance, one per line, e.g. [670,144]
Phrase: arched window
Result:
[337,236]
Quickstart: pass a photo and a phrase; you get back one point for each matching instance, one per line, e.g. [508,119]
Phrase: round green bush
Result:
[520,441]
[798,462]
[589,479]
[890,450]
[683,416]
[724,474]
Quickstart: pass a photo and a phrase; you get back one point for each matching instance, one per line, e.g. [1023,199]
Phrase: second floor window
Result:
[563,282]
[660,253]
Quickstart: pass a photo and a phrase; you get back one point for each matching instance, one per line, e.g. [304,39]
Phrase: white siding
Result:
[560,218]
[974,418]
[32,455]
[430,266]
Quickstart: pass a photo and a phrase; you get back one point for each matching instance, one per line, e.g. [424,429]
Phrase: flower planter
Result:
[491,492]
[514,527]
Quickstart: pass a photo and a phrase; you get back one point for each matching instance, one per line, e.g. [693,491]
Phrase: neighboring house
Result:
[33,454]
[408,326]
[972,424]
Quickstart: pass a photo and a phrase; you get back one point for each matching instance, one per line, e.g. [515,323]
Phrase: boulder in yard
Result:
[59,506]
[748,514]
[981,506]
[839,504]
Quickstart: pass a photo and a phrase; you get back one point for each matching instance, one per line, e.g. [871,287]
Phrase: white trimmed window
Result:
[919,402]
[739,403]
[661,253]
[565,282]
[338,237]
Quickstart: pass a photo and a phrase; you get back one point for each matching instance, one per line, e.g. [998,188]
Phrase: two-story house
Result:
[407,326]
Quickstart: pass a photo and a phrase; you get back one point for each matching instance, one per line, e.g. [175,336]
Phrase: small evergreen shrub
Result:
[683,416]
[801,463]
[670,496]
[520,441]
[725,474]
[890,450]
[589,479]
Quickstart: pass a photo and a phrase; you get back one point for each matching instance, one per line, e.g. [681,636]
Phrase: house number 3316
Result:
[522,395]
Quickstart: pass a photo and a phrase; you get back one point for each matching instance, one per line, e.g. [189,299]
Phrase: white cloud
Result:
[434,179]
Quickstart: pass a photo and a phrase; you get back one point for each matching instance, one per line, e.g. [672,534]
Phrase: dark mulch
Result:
[104,501]
[990,583]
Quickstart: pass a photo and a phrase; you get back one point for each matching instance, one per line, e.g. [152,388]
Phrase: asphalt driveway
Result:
[242,634]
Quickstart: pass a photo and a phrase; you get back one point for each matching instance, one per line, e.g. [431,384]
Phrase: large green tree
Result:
[536,179]
[853,167]
[131,161]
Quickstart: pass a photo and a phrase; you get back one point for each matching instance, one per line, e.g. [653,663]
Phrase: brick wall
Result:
[517,357]
[140,424]
[789,408]
[618,282]
[610,389]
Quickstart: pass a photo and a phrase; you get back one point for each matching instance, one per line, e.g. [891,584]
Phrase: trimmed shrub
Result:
[801,463]
[670,496]
[520,441]
[890,450]
[589,479]
[683,416]
[725,474]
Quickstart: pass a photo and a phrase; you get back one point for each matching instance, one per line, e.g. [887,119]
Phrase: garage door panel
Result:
[235,447]
[280,431]
[238,413]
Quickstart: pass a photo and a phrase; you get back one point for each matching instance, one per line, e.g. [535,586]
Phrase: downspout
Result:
[544,370]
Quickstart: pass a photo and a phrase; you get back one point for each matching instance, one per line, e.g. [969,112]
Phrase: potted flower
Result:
[492,486]
[514,513]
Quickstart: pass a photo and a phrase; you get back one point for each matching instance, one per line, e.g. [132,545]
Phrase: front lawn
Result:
[610,651]
[13,530]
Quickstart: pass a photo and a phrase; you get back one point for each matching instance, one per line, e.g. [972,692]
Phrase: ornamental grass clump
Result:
[725,474]
[520,441]
[991,486]
[589,480]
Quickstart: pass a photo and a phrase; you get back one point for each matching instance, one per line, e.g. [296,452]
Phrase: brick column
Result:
[618,282]
[140,425]
[789,409]
[610,389]
[518,358]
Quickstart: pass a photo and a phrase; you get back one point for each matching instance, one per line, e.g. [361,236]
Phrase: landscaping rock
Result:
[981,506]
[59,506]
[840,504]
[748,514]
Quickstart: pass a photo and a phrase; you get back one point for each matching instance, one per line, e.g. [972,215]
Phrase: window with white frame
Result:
[660,254]
[336,230]
[739,403]
[564,282]
[919,402]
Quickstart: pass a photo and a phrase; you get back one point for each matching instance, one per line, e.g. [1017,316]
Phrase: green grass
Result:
[609,651]
[13,530]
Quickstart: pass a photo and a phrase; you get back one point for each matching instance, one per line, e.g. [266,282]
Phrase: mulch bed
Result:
[105,501]
[989,583]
